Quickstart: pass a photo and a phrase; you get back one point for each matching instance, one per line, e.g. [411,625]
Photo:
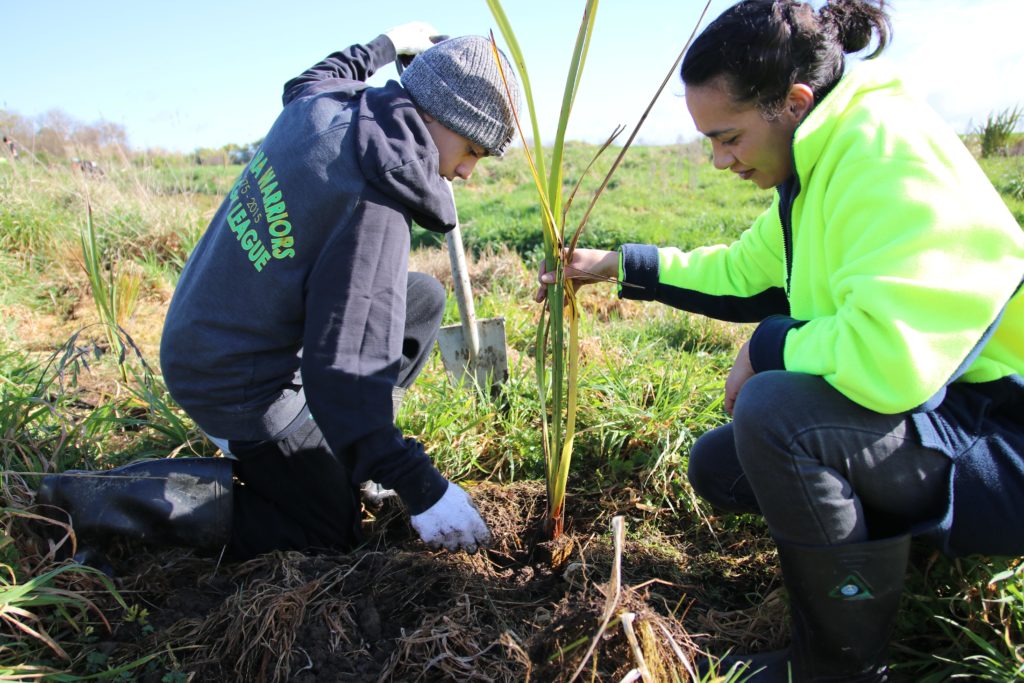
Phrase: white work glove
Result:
[452,522]
[412,38]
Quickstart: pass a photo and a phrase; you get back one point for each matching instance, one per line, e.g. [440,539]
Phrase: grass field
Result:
[651,383]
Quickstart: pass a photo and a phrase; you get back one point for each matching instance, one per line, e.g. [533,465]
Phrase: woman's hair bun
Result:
[853,22]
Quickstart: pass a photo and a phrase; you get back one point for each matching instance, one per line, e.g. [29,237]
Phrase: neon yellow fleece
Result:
[888,265]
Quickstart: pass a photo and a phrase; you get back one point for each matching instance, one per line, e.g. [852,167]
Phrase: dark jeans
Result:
[292,493]
[821,469]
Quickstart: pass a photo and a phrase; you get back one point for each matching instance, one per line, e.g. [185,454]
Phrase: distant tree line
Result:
[230,153]
[56,136]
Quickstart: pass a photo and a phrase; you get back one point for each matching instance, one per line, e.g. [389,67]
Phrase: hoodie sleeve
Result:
[356,63]
[740,282]
[355,322]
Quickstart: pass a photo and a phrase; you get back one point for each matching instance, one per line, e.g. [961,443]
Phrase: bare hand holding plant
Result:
[741,371]
[586,267]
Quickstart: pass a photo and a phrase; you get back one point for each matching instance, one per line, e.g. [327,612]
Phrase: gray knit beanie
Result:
[458,82]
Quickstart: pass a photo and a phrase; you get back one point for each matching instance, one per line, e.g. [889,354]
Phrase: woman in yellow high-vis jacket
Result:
[881,395]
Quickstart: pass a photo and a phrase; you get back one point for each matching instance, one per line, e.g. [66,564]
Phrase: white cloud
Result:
[965,58]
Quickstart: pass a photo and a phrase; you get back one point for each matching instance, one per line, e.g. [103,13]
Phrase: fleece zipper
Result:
[788,192]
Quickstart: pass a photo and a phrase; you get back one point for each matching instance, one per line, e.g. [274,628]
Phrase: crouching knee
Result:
[715,474]
[426,297]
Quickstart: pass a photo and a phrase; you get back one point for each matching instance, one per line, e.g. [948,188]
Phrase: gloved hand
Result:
[412,38]
[452,522]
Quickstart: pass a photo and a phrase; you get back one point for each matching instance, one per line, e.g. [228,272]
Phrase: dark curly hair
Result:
[763,47]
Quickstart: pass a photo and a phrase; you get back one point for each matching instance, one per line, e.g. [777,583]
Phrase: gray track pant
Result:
[821,469]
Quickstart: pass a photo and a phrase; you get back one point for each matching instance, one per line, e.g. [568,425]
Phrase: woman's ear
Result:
[427,118]
[799,101]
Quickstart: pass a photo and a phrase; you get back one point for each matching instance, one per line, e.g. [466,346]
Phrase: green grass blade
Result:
[540,367]
[548,219]
[572,82]
[94,269]
[562,474]
[498,12]
[556,297]
[586,50]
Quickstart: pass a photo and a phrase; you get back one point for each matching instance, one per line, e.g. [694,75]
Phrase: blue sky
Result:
[197,73]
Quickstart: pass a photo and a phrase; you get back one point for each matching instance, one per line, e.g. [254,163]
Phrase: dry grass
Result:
[450,645]
[135,224]
[256,628]
[765,626]
[489,271]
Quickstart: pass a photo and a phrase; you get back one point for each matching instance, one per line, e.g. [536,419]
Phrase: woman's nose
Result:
[722,158]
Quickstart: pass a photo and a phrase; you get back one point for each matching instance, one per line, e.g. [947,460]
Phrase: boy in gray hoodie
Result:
[295,320]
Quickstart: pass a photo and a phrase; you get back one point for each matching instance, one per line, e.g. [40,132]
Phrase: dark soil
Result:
[396,611]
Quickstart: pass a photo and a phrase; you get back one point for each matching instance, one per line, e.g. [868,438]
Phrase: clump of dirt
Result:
[394,610]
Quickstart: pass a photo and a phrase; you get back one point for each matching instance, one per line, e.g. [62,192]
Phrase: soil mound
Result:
[394,610]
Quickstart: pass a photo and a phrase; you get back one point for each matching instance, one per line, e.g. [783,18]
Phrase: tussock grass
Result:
[997,131]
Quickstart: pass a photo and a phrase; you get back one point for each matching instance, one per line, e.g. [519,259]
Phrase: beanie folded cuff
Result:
[459,83]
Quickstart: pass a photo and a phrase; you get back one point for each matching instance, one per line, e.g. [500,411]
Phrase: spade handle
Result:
[463,292]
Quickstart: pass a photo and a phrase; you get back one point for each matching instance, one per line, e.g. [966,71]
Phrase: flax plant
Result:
[557,337]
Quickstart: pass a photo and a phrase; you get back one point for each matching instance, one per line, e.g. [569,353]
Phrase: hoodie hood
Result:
[398,157]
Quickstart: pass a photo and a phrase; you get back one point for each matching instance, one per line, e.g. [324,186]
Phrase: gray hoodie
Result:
[296,292]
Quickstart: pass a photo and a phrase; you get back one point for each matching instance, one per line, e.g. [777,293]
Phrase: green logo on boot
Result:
[853,587]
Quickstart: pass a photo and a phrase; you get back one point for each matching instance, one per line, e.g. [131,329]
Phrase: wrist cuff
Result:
[639,266]
[382,50]
[768,343]
[421,495]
